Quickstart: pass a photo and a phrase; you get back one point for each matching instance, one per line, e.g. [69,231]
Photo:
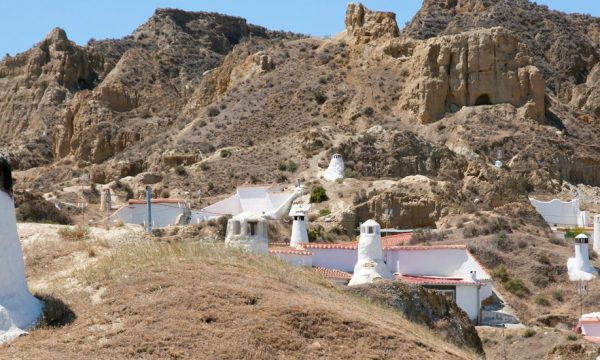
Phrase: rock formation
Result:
[366,25]
[481,67]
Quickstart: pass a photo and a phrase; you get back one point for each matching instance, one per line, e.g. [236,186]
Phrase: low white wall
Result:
[340,259]
[162,214]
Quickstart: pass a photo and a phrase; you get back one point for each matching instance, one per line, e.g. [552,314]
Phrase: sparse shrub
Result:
[541,300]
[571,337]
[512,284]
[529,332]
[225,153]
[165,194]
[210,186]
[315,233]
[281,178]
[503,242]
[426,235]
[281,167]
[320,97]
[558,295]
[76,233]
[119,223]
[324,212]
[555,240]
[318,194]
[350,173]
[522,244]
[291,166]
[368,111]
[180,170]
[213,111]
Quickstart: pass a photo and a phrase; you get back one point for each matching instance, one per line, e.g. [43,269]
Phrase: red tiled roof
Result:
[333,273]
[345,246]
[290,251]
[432,280]
[156,201]
[432,247]
[592,339]
[395,240]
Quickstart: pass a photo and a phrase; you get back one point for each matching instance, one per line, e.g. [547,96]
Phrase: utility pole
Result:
[149,208]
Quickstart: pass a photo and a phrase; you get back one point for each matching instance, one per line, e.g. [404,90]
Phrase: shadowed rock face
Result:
[5,176]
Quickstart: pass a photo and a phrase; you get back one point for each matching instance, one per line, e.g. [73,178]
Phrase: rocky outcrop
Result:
[415,202]
[482,67]
[366,25]
[396,154]
[424,307]
[586,96]
[33,85]
[565,46]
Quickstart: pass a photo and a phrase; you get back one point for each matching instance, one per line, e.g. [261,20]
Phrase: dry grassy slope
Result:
[158,300]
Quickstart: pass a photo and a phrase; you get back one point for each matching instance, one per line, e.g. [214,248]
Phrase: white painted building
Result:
[19,310]
[259,200]
[336,168]
[561,213]
[449,269]
[248,232]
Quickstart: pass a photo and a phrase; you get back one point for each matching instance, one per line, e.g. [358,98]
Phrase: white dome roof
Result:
[370,222]
[581,236]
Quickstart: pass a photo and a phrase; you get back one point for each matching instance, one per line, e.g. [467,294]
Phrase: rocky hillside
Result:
[199,101]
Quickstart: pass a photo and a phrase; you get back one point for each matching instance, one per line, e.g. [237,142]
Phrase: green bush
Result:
[512,284]
[558,295]
[225,153]
[350,173]
[291,166]
[541,300]
[315,233]
[529,332]
[180,170]
[318,194]
[571,337]
[570,233]
[324,212]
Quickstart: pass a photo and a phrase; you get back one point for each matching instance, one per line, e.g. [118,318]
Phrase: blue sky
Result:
[25,22]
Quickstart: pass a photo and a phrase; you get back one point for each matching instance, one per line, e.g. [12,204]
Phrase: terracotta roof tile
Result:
[344,246]
[432,247]
[290,251]
[395,240]
[333,273]
[432,280]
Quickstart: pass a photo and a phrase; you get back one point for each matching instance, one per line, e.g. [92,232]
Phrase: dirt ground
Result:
[150,299]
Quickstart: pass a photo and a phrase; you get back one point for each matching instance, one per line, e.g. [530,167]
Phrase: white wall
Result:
[340,259]
[557,212]
[434,262]
[466,299]
[295,259]
[162,214]
[591,328]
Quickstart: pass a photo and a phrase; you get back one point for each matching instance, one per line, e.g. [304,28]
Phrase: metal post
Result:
[149,207]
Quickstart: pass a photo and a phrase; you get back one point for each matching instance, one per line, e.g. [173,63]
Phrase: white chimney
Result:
[596,244]
[336,168]
[299,230]
[19,310]
[370,264]
[579,267]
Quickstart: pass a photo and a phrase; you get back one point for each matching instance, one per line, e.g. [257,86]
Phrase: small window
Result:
[252,226]
[235,227]
[301,218]
[295,218]
[369,230]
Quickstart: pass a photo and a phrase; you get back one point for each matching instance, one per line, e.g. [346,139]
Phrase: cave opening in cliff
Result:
[483,99]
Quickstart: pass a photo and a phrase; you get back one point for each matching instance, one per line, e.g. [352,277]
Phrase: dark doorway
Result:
[483,99]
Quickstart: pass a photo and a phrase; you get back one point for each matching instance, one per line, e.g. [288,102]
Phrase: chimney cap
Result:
[581,236]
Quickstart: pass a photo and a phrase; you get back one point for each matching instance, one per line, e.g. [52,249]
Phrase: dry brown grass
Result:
[186,300]
[75,233]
